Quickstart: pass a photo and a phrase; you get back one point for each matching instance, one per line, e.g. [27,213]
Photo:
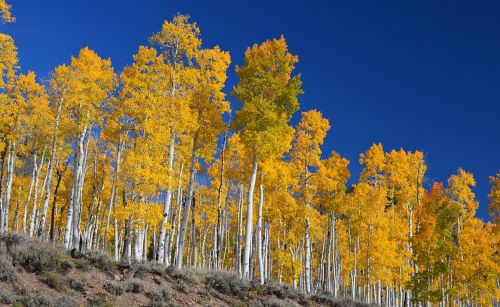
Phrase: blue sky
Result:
[414,74]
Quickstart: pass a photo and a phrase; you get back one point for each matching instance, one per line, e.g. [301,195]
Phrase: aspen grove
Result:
[151,164]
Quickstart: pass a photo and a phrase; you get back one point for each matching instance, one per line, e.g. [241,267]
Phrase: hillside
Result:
[35,273]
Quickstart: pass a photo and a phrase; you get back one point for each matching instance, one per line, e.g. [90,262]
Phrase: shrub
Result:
[227,283]
[76,285]
[281,291]
[100,260]
[329,300]
[114,289]
[160,298]
[54,281]
[157,269]
[183,286]
[187,275]
[7,271]
[32,300]
[102,299]
[65,301]
[4,297]
[140,269]
[273,302]
[134,285]
[36,256]
[11,239]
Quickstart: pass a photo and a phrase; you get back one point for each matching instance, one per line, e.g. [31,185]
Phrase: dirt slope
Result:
[34,273]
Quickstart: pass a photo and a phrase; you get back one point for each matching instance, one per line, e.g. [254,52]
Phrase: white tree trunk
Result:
[77,182]
[35,197]
[189,198]
[259,230]
[28,198]
[249,222]
[167,204]
[239,235]
[307,273]
[112,197]
[10,176]
[50,168]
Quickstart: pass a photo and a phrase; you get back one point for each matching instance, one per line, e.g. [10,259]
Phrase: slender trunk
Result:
[307,273]
[193,232]
[77,211]
[112,197]
[239,236]
[217,244]
[171,234]
[167,203]
[126,253]
[327,272]
[16,211]
[53,212]
[189,198]
[249,222]
[28,198]
[35,196]
[72,227]
[259,229]
[4,165]
[50,168]
[10,176]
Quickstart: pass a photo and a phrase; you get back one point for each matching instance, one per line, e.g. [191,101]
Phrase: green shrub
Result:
[328,300]
[273,302]
[134,285]
[4,297]
[281,291]
[100,260]
[54,281]
[32,300]
[160,298]
[7,271]
[11,239]
[114,289]
[36,256]
[227,283]
[187,275]
[102,299]
[65,301]
[76,285]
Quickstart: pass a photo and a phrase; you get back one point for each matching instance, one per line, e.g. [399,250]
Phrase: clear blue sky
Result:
[414,74]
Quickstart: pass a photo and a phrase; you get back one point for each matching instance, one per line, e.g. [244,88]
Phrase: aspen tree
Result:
[89,84]
[29,104]
[178,41]
[207,106]
[268,92]
[330,181]
[305,154]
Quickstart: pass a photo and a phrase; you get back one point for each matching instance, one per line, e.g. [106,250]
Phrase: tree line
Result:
[145,165]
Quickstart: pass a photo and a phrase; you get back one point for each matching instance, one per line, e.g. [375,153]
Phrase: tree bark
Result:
[50,168]
[259,229]
[189,198]
[249,222]
[217,244]
[167,204]
[35,196]
[10,176]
